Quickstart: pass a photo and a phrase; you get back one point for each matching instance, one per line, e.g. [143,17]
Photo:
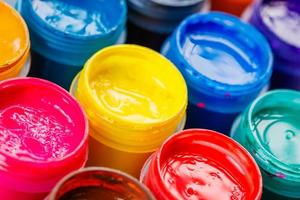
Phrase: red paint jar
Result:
[202,164]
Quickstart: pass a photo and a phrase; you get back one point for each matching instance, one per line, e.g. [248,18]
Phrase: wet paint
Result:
[135,98]
[202,164]
[72,29]
[94,183]
[14,43]
[224,71]
[43,136]
[279,21]
[269,129]
[152,21]
[235,7]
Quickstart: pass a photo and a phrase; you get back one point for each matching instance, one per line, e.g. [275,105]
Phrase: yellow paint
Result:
[14,41]
[134,98]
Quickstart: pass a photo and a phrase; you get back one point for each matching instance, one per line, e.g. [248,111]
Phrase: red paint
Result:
[43,136]
[202,164]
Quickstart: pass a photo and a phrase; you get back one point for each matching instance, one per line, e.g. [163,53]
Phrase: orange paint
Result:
[14,42]
[235,7]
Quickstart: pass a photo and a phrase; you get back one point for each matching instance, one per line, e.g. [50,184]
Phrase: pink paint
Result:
[43,137]
[201,105]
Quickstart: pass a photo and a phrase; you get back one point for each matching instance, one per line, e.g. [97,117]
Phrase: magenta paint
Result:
[43,137]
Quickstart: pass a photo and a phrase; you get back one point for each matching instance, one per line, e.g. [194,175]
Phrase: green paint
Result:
[270,130]
[278,129]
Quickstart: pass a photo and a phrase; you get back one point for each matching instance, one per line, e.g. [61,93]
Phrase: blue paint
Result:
[66,33]
[226,64]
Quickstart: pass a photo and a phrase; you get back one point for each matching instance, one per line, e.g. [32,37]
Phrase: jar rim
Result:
[223,19]
[47,84]
[114,50]
[265,154]
[191,134]
[54,192]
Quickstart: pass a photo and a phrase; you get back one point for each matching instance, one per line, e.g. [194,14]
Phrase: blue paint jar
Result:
[152,21]
[226,64]
[65,33]
[279,21]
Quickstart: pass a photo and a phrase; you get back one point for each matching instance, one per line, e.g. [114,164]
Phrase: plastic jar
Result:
[134,98]
[235,7]
[202,164]
[14,44]
[151,21]
[43,137]
[269,129]
[226,64]
[95,182]
[65,33]
[279,21]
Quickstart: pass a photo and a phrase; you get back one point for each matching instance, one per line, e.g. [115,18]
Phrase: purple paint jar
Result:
[279,21]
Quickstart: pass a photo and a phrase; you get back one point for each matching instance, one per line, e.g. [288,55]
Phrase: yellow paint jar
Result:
[14,43]
[134,98]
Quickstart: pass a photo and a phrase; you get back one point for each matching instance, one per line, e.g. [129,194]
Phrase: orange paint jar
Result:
[235,7]
[14,44]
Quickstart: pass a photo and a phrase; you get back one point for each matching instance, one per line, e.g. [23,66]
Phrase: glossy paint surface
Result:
[279,130]
[202,164]
[191,176]
[14,39]
[75,18]
[219,58]
[34,125]
[283,19]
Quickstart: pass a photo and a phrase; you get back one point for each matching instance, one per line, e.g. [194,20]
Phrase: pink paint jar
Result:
[43,137]
[202,164]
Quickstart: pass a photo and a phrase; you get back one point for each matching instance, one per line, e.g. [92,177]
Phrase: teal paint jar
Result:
[270,130]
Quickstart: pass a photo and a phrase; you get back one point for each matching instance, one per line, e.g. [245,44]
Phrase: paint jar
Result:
[65,33]
[43,137]
[234,7]
[94,182]
[202,164]
[270,130]
[279,21]
[134,98]
[226,64]
[151,21]
[14,44]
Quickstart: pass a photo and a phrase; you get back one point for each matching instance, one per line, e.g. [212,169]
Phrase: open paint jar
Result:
[151,21]
[43,137]
[134,98]
[202,164]
[65,33]
[279,21]
[235,7]
[95,183]
[270,130]
[226,64]
[14,44]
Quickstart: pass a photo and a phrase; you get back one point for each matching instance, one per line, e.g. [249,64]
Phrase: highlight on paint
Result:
[98,182]
[14,43]
[269,130]
[134,98]
[202,164]
[43,136]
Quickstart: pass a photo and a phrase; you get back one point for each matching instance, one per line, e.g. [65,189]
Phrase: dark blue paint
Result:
[279,21]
